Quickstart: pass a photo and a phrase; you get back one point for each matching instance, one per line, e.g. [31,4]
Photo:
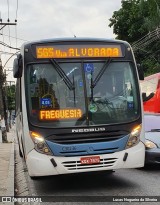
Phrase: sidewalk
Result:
[7,165]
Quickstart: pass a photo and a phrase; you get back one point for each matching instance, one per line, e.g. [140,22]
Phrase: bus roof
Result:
[75,39]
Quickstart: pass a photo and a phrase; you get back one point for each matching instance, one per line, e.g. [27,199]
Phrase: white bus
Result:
[78,106]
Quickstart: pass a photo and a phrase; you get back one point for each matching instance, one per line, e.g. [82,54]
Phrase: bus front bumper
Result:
[43,165]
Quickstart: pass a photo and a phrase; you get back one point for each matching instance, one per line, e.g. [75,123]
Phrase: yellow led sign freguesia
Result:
[60,114]
[77,52]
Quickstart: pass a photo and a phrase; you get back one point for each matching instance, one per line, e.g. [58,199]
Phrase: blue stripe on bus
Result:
[88,148]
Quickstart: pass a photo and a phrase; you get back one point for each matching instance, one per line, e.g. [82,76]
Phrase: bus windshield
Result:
[69,94]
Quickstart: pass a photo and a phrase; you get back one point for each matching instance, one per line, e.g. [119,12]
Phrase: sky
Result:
[44,19]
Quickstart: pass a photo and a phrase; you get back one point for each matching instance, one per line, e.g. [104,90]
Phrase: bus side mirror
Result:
[140,72]
[146,98]
[17,66]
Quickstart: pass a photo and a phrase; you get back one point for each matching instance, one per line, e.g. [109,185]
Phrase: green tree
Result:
[138,23]
[127,22]
[152,20]
[11,97]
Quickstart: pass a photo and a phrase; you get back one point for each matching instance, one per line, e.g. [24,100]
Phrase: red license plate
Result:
[90,160]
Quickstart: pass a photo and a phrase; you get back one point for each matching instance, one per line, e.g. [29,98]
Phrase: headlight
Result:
[134,137]
[39,143]
[149,144]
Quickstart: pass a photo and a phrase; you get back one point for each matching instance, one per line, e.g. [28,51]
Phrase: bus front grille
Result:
[76,165]
[80,138]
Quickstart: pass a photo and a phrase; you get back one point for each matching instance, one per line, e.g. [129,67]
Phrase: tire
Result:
[35,178]
[20,152]
[110,171]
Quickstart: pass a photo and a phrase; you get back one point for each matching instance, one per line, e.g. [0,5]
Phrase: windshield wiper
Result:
[99,75]
[62,74]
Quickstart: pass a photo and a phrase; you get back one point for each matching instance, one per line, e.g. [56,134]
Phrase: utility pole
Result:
[1,101]
[1,84]
[4,93]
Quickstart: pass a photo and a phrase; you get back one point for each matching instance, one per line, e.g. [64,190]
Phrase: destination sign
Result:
[78,51]
[60,114]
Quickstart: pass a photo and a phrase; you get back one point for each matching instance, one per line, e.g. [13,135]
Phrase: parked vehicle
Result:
[150,88]
[152,138]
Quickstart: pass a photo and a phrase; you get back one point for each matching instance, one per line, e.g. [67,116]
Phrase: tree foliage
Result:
[134,22]
[126,22]
[152,20]
[11,97]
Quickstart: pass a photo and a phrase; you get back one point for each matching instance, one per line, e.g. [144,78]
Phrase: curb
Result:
[10,180]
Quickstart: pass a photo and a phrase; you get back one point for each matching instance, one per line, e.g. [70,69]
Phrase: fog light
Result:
[45,150]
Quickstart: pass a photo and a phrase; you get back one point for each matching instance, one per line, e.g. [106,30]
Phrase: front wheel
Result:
[19,149]
[20,153]
[110,171]
[35,177]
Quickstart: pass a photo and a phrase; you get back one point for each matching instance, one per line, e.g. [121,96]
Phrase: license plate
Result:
[90,160]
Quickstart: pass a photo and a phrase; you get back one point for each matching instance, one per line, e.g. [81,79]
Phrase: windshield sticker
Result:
[46,102]
[60,114]
[92,107]
[130,98]
[80,84]
[130,105]
[88,67]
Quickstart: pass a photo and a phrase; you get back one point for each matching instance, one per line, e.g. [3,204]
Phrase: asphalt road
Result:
[95,187]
